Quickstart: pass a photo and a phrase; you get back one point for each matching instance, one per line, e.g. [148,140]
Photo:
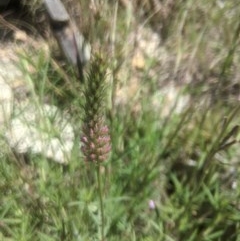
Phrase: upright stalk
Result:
[100,202]
[96,141]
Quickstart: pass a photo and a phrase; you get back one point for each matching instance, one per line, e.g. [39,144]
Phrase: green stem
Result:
[101,201]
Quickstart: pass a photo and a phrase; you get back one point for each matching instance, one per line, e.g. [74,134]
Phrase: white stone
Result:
[41,130]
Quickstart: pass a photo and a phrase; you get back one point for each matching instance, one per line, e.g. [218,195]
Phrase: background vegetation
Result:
[171,176]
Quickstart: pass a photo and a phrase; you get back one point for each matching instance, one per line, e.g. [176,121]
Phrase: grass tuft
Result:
[171,176]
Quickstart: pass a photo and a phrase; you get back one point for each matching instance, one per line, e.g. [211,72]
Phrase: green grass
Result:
[187,163]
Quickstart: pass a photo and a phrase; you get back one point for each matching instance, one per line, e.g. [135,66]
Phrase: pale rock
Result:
[41,129]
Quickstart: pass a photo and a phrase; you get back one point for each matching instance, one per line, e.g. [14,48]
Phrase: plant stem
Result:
[100,200]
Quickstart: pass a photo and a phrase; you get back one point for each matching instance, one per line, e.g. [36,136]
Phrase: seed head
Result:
[96,142]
